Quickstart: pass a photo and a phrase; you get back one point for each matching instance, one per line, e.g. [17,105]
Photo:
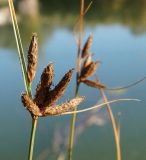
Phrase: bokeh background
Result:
[119,42]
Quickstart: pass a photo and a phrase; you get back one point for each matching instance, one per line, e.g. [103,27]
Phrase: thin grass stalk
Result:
[99,106]
[127,86]
[72,131]
[80,35]
[73,121]
[24,72]
[115,130]
[32,139]
[19,46]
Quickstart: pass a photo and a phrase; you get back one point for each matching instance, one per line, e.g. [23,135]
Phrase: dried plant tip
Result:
[94,84]
[87,61]
[65,107]
[88,71]
[87,46]
[30,105]
[59,90]
[44,86]
[47,76]
[40,95]
[32,58]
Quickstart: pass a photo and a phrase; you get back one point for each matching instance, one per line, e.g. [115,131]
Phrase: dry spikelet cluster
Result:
[88,67]
[32,58]
[43,103]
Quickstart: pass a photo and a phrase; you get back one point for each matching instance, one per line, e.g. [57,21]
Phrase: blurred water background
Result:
[119,42]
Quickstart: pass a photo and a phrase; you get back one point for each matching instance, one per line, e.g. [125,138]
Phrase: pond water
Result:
[119,42]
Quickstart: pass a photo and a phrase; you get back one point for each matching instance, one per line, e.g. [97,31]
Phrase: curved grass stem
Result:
[98,106]
[127,86]
[115,130]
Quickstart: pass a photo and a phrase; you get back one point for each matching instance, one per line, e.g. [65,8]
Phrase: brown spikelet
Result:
[88,71]
[94,84]
[59,89]
[47,76]
[44,86]
[78,64]
[87,46]
[65,107]
[87,61]
[32,58]
[40,95]
[30,105]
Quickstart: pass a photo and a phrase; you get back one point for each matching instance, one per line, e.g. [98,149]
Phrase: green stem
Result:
[24,72]
[72,130]
[32,139]
[19,46]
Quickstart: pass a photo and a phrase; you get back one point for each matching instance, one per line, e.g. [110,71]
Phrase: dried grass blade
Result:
[128,86]
[100,105]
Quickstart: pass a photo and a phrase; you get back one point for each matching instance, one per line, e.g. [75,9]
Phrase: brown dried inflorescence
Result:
[32,58]
[59,89]
[30,105]
[43,103]
[87,46]
[88,70]
[89,67]
[94,84]
[44,85]
[50,110]
[65,107]
[87,61]
[47,76]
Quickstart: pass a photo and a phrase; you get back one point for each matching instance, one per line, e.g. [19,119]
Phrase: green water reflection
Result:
[65,13]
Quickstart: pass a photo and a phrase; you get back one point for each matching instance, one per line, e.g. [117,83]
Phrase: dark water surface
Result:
[119,42]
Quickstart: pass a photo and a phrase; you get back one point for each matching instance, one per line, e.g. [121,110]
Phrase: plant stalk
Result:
[19,46]
[73,121]
[115,130]
[72,130]
[24,72]
[32,139]
[80,35]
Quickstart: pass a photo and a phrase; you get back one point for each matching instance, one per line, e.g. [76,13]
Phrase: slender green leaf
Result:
[19,46]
